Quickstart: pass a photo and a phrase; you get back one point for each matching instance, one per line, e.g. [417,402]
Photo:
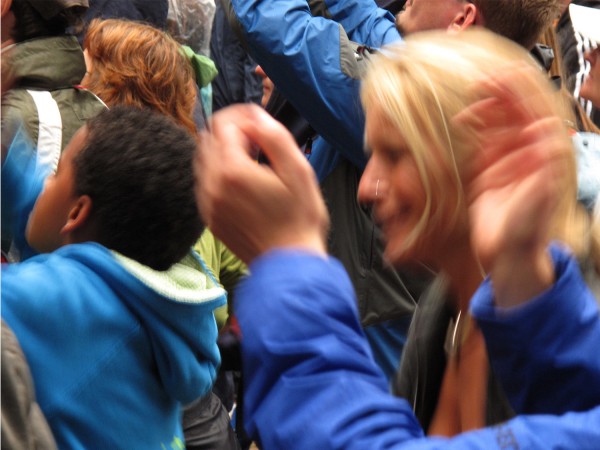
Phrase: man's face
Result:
[51,210]
[423,15]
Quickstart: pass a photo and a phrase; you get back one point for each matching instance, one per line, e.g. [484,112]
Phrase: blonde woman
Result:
[472,173]
[425,155]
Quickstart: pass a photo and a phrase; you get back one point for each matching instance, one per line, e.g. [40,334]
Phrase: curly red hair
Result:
[137,64]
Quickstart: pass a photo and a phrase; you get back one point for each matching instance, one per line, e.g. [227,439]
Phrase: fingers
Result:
[543,137]
[242,128]
[521,89]
[513,110]
[253,207]
[280,148]
[516,95]
[228,140]
[539,147]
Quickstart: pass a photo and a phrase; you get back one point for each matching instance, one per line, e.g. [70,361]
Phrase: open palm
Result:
[520,172]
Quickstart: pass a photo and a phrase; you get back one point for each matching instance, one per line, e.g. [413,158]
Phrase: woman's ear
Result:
[78,216]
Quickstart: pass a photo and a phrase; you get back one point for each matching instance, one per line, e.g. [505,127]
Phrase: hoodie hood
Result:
[48,63]
[175,307]
[102,333]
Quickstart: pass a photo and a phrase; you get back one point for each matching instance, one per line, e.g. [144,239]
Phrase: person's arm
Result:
[539,319]
[310,381]
[310,378]
[544,352]
[313,63]
[363,21]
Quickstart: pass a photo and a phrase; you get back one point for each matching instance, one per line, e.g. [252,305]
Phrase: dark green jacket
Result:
[48,69]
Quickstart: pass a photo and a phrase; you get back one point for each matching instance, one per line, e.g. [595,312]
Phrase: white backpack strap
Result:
[49,142]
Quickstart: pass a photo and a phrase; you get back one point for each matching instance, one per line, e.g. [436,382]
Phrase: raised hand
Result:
[252,207]
[519,176]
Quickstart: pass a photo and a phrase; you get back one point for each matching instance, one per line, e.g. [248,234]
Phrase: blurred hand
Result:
[251,207]
[518,179]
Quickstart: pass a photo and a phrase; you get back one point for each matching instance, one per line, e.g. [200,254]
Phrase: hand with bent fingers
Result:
[520,175]
[254,208]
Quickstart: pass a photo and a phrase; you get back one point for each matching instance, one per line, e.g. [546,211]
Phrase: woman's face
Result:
[392,184]
[590,89]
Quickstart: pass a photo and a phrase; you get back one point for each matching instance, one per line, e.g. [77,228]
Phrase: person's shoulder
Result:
[61,262]
[18,108]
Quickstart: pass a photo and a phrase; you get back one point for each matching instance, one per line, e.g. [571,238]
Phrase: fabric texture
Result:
[424,361]
[224,266]
[587,151]
[204,68]
[22,181]
[49,9]
[236,81]
[153,12]
[42,111]
[102,337]
[206,425]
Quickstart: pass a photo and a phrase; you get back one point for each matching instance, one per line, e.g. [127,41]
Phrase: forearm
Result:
[310,380]
[545,351]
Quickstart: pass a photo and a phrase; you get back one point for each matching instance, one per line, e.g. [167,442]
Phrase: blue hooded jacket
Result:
[115,348]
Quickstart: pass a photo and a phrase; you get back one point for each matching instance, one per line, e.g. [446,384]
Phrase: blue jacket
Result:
[316,64]
[114,347]
[311,381]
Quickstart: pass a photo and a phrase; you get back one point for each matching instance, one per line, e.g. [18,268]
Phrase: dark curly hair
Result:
[136,166]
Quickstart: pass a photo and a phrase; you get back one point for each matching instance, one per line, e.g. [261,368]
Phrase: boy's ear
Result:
[78,215]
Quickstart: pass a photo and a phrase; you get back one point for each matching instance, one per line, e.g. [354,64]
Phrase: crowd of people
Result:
[300,225]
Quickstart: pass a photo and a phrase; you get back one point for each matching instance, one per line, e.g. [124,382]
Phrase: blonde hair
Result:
[422,84]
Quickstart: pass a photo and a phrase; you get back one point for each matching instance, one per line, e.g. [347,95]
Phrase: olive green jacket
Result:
[45,97]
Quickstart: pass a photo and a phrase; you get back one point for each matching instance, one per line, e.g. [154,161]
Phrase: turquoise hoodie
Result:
[114,347]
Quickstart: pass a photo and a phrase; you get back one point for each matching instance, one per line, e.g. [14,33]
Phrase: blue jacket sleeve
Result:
[313,63]
[305,357]
[545,352]
[311,382]
[364,21]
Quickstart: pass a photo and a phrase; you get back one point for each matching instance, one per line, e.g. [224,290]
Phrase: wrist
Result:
[521,276]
